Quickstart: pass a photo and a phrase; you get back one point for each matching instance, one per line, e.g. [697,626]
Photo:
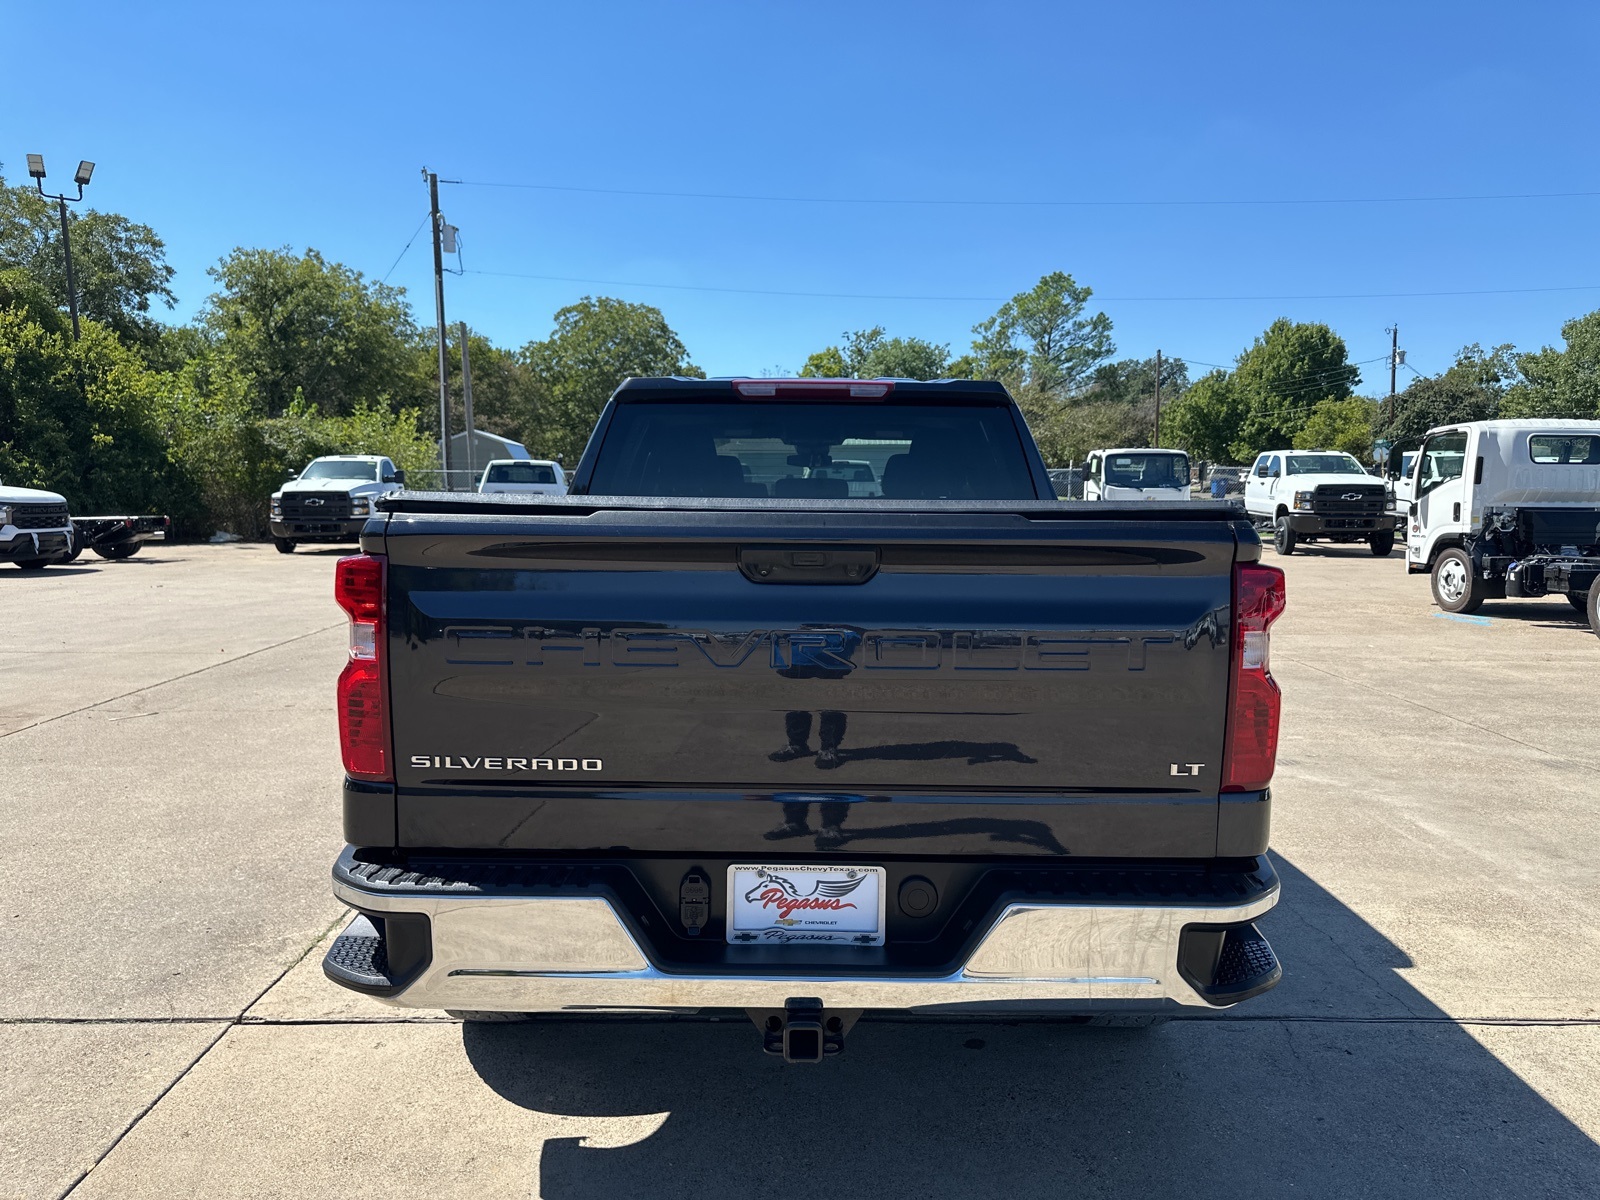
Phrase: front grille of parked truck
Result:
[39,516]
[316,508]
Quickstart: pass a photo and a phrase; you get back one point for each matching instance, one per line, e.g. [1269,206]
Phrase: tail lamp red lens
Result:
[358,586]
[1255,704]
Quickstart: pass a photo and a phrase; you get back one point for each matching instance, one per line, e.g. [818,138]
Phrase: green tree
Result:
[120,265]
[300,325]
[1340,425]
[1041,339]
[75,417]
[1471,390]
[505,394]
[1560,383]
[1289,369]
[1133,381]
[869,354]
[1206,419]
[596,344]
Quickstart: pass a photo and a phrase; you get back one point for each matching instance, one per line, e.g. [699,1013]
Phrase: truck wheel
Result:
[1594,607]
[490,1018]
[123,550]
[1580,600]
[1283,538]
[284,545]
[1382,542]
[1456,586]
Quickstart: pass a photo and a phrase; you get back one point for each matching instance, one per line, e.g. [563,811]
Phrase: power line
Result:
[689,287]
[402,253]
[952,202]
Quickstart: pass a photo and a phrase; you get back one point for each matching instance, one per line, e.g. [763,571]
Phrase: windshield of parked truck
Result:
[1324,464]
[794,450]
[341,468]
[520,473]
[1147,470]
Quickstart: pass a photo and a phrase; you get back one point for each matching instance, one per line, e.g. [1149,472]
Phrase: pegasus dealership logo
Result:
[776,891]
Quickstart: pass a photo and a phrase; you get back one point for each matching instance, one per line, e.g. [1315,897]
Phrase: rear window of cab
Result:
[1583,448]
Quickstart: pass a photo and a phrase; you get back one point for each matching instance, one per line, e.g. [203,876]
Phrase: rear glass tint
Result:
[797,450]
[521,473]
[1565,448]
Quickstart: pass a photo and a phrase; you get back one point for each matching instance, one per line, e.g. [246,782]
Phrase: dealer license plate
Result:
[789,905]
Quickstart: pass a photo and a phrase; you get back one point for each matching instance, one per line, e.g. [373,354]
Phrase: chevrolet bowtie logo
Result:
[1346,496]
[309,503]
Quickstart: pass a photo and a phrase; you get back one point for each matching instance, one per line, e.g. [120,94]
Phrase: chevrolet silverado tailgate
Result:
[585,676]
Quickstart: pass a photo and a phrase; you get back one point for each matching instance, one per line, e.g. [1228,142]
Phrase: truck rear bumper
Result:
[444,945]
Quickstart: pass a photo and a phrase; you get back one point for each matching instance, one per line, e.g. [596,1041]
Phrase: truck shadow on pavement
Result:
[1345,1081]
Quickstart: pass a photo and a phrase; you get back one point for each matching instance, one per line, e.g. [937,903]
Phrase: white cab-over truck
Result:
[1318,495]
[1508,508]
[331,499]
[1136,474]
[35,529]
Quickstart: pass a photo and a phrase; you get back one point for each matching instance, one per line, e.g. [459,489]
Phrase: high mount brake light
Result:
[1254,702]
[358,586]
[815,389]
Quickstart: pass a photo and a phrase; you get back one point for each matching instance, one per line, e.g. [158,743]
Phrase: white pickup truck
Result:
[331,499]
[530,476]
[35,529]
[1318,495]
[1136,474]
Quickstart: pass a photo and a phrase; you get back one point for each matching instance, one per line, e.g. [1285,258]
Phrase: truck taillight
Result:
[815,389]
[1255,703]
[358,586]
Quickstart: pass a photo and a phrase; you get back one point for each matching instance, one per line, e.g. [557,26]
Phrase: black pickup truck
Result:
[735,726]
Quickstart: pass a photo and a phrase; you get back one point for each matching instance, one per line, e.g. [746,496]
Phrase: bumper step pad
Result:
[1247,967]
[379,955]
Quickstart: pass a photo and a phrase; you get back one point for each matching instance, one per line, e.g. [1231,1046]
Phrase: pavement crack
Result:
[299,637]
[227,1022]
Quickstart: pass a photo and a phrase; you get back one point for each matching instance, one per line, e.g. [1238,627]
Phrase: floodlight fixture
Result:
[36,166]
[85,170]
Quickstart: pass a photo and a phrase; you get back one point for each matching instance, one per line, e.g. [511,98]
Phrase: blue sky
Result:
[307,125]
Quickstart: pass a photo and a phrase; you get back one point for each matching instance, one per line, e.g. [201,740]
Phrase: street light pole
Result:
[66,249]
[85,172]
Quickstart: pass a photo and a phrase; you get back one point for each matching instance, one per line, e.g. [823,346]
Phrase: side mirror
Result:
[291,473]
[399,476]
[1274,474]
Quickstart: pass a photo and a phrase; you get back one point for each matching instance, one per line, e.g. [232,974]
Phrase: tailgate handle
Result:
[805,564]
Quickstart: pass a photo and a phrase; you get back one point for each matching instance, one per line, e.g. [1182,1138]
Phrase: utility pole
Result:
[438,302]
[466,400]
[1158,398]
[1394,357]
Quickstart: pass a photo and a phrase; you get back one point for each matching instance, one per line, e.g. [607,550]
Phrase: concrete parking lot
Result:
[168,792]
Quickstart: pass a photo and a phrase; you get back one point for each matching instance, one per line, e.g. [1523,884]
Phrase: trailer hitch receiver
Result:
[802,1031]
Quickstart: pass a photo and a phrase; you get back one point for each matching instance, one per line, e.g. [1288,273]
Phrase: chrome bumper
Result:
[552,954]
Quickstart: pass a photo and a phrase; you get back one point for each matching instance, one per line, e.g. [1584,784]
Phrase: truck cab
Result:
[1507,509]
[1136,474]
[35,529]
[331,499]
[1318,495]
